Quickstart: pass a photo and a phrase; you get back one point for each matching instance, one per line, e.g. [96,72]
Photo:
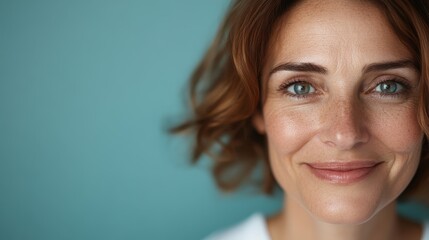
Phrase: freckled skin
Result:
[346,120]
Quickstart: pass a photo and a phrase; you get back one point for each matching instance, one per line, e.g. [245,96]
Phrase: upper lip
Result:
[343,166]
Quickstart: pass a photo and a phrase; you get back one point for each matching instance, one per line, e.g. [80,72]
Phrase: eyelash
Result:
[284,86]
[405,88]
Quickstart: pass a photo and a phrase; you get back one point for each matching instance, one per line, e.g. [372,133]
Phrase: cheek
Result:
[287,130]
[401,136]
[397,138]
[397,129]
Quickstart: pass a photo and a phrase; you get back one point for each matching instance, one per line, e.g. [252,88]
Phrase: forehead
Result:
[335,31]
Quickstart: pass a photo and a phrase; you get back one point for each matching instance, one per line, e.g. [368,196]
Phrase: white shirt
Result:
[255,228]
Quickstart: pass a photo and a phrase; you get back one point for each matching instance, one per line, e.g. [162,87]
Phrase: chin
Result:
[346,212]
[344,217]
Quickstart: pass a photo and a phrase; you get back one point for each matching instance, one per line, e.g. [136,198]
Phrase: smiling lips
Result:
[343,172]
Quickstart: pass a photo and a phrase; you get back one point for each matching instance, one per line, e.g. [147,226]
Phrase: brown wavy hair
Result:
[225,88]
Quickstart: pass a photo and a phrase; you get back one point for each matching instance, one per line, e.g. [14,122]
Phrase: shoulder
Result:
[253,227]
[425,235]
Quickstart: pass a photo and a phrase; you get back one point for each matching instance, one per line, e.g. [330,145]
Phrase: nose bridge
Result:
[344,123]
[345,112]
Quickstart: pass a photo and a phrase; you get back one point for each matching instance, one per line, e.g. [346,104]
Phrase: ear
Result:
[258,122]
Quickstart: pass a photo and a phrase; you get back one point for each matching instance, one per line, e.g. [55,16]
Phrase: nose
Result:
[344,125]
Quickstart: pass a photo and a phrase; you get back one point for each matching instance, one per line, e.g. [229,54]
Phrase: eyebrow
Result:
[299,67]
[314,68]
[389,65]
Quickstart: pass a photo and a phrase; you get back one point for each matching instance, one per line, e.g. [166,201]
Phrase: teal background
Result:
[87,91]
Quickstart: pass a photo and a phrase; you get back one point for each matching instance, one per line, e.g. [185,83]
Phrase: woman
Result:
[333,97]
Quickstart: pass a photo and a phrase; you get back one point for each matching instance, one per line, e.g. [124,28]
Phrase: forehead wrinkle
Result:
[344,55]
[316,28]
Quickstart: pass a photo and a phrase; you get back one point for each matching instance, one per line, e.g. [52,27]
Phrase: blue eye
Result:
[300,88]
[389,87]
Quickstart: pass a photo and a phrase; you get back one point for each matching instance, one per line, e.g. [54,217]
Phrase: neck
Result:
[294,222]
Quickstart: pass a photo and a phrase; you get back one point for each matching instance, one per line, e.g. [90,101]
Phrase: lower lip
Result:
[344,176]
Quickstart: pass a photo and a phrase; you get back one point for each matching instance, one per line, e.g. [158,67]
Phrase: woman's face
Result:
[340,110]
